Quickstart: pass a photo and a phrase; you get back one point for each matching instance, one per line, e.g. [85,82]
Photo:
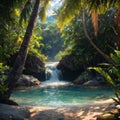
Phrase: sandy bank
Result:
[88,112]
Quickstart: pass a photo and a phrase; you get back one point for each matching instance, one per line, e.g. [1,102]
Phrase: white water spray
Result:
[52,73]
[53,76]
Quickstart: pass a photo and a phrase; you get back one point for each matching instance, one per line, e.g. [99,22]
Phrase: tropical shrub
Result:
[78,45]
[111,73]
[3,78]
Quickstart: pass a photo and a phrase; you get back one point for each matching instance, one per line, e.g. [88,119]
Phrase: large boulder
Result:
[34,66]
[27,81]
[70,67]
[91,79]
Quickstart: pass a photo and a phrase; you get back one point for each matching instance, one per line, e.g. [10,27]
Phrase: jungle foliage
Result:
[46,39]
[78,44]
[112,74]
[28,13]
[13,25]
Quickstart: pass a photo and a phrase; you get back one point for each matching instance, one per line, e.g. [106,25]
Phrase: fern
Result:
[112,75]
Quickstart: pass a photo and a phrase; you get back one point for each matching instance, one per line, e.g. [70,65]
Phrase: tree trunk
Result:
[118,39]
[22,55]
[106,57]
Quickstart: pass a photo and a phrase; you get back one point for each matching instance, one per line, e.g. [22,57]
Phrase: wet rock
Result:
[27,81]
[34,66]
[79,81]
[70,67]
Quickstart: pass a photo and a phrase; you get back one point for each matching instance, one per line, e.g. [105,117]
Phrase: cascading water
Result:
[52,73]
[53,76]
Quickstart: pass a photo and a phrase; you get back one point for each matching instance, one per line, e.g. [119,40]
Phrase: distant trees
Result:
[52,41]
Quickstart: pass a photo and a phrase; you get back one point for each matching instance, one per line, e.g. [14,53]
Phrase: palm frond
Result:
[43,8]
[68,11]
[116,57]
[71,8]
[26,11]
[117,94]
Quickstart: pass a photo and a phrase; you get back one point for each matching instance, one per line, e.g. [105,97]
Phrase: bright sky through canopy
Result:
[54,4]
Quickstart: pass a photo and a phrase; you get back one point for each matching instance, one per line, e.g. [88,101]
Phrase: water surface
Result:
[57,93]
[60,96]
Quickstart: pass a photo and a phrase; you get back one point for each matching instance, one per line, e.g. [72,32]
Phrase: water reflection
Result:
[60,96]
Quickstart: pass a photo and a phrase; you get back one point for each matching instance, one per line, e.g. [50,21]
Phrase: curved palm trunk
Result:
[106,57]
[21,57]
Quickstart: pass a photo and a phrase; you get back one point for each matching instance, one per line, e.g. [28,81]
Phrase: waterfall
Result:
[53,76]
[52,73]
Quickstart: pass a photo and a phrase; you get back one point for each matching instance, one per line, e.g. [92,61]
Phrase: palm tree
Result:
[20,60]
[21,57]
[22,54]
[105,56]
[70,9]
